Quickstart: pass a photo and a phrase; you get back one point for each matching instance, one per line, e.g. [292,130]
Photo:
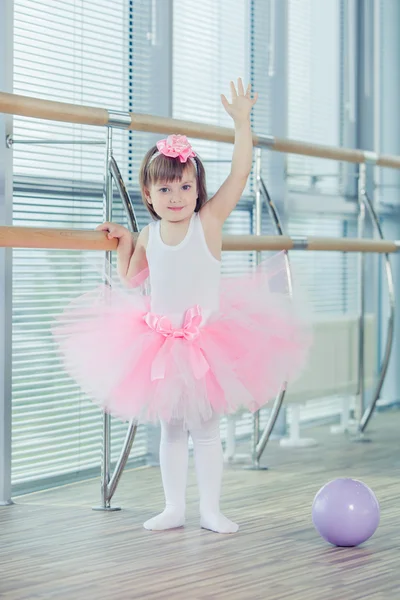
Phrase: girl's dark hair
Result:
[164,168]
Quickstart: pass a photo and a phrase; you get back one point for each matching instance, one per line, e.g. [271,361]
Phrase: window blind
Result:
[84,52]
[210,48]
[330,277]
[222,41]
[262,40]
[314,113]
[315,103]
[105,58]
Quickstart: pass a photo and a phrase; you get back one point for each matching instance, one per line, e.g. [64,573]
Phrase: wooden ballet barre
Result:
[77,239]
[86,115]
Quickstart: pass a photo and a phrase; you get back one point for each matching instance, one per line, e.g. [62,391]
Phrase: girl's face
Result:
[175,200]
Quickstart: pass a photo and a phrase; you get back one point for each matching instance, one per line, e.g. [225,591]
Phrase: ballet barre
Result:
[75,239]
[81,239]
[25,106]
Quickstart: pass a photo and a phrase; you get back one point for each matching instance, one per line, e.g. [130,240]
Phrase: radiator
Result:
[333,363]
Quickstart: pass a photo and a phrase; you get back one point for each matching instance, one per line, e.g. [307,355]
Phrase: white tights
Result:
[174,465]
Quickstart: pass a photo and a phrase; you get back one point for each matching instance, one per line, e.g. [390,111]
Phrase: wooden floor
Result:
[54,546]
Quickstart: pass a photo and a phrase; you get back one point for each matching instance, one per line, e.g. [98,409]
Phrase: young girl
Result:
[198,347]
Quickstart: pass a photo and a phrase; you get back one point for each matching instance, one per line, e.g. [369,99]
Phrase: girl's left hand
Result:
[242,103]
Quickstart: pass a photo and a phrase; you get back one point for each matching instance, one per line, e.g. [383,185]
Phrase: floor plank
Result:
[54,546]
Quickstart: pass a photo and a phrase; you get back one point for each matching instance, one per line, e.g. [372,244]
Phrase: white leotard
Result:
[183,276]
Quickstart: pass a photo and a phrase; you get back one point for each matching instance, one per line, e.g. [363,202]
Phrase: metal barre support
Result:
[11,142]
[361,291]
[106,453]
[109,482]
[119,119]
[365,203]
[276,408]
[258,228]
[369,410]
[259,443]
[299,242]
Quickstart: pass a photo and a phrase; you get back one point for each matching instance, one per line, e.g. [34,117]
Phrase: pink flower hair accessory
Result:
[176,146]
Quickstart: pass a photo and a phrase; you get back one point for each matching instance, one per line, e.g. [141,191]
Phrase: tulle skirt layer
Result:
[135,365]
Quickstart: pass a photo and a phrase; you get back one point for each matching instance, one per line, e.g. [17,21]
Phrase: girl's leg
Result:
[174,466]
[209,465]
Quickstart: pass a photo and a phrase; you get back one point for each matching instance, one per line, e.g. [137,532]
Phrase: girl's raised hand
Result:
[242,103]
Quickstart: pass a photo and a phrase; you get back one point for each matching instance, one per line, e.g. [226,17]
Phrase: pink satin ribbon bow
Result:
[189,332]
[176,145]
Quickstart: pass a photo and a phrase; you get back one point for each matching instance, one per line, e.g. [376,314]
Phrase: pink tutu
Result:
[137,366]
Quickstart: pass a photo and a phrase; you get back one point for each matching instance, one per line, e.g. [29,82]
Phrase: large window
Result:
[171,59]
[212,51]
[315,115]
[84,52]
[314,94]
[221,42]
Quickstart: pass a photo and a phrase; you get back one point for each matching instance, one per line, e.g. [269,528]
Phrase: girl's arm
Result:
[225,200]
[131,257]
[138,260]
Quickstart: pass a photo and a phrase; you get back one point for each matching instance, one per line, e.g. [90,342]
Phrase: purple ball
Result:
[345,512]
